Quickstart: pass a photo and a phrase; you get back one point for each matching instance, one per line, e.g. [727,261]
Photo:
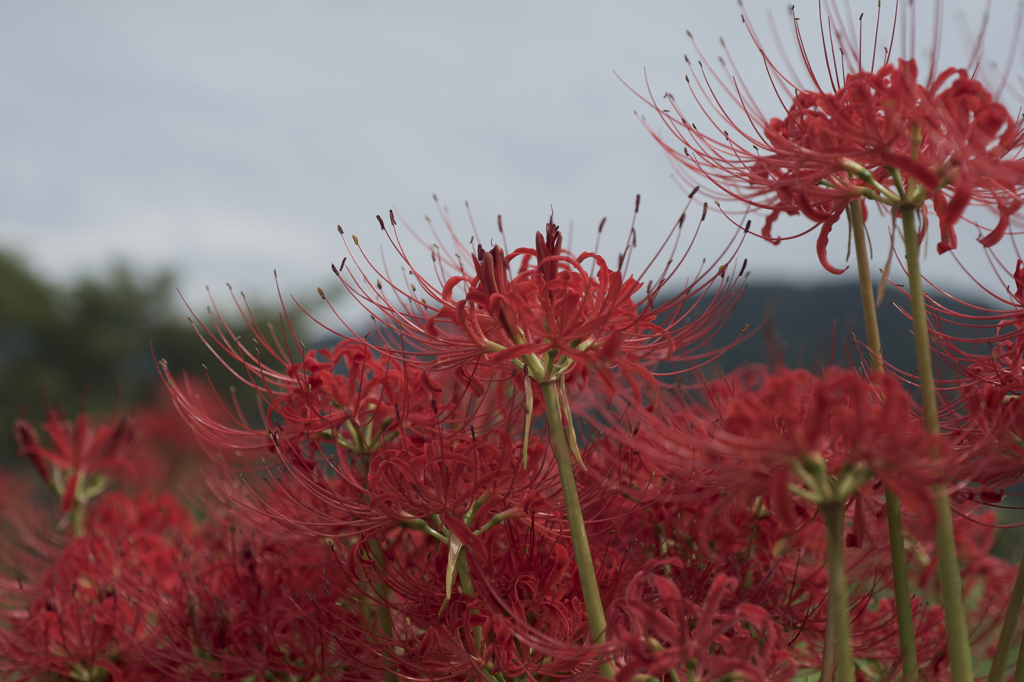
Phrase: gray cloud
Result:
[226,139]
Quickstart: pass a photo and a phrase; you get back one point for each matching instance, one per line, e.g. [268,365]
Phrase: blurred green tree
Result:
[90,341]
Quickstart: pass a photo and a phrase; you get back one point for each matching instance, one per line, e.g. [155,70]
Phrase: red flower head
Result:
[102,596]
[702,630]
[813,436]
[80,454]
[983,412]
[882,134]
[545,312]
[248,605]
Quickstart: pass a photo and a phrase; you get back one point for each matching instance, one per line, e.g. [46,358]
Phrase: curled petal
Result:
[993,237]
[826,228]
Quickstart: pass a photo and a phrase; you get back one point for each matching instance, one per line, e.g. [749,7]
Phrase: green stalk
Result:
[78,519]
[469,591]
[838,600]
[900,583]
[1018,673]
[949,567]
[580,544]
[867,294]
[383,594]
[828,651]
[901,587]
[998,668]
[655,645]
[922,345]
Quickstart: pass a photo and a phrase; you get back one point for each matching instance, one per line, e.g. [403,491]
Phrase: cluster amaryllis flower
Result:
[796,447]
[80,458]
[544,311]
[889,134]
[348,427]
[868,126]
[706,630]
[395,508]
[982,412]
[403,455]
[245,605]
[100,596]
[376,521]
[771,442]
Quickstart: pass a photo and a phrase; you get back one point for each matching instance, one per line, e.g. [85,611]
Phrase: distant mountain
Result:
[818,326]
[802,326]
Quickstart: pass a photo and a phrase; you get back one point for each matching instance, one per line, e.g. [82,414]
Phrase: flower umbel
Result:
[886,135]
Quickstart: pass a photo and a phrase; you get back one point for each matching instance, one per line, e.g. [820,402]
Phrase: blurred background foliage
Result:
[92,342]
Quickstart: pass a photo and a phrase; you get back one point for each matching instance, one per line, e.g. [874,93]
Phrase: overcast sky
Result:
[226,139]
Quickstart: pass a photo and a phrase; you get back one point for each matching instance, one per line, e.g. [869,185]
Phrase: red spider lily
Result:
[399,496]
[739,452]
[461,477]
[387,450]
[554,307]
[349,396]
[849,420]
[757,439]
[325,416]
[983,414]
[864,133]
[79,454]
[528,593]
[248,605]
[779,565]
[985,576]
[344,395]
[383,458]
[703,632]
[516,309]
[101,595]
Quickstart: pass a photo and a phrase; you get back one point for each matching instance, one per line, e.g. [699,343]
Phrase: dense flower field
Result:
[530,468]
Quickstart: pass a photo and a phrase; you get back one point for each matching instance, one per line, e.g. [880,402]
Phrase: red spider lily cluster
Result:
[884,134]
[532,467]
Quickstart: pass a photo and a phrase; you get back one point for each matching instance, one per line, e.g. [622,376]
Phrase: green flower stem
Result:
[900,583]
[383,611]
[828,650]
[949,567]
[901,587]
[1018,673]
[580,544]
[867,294]
[78,519]
[655,645]
[865,175]
[838,601]
[469,591]
[383,594]
[922,344]
[998,668]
